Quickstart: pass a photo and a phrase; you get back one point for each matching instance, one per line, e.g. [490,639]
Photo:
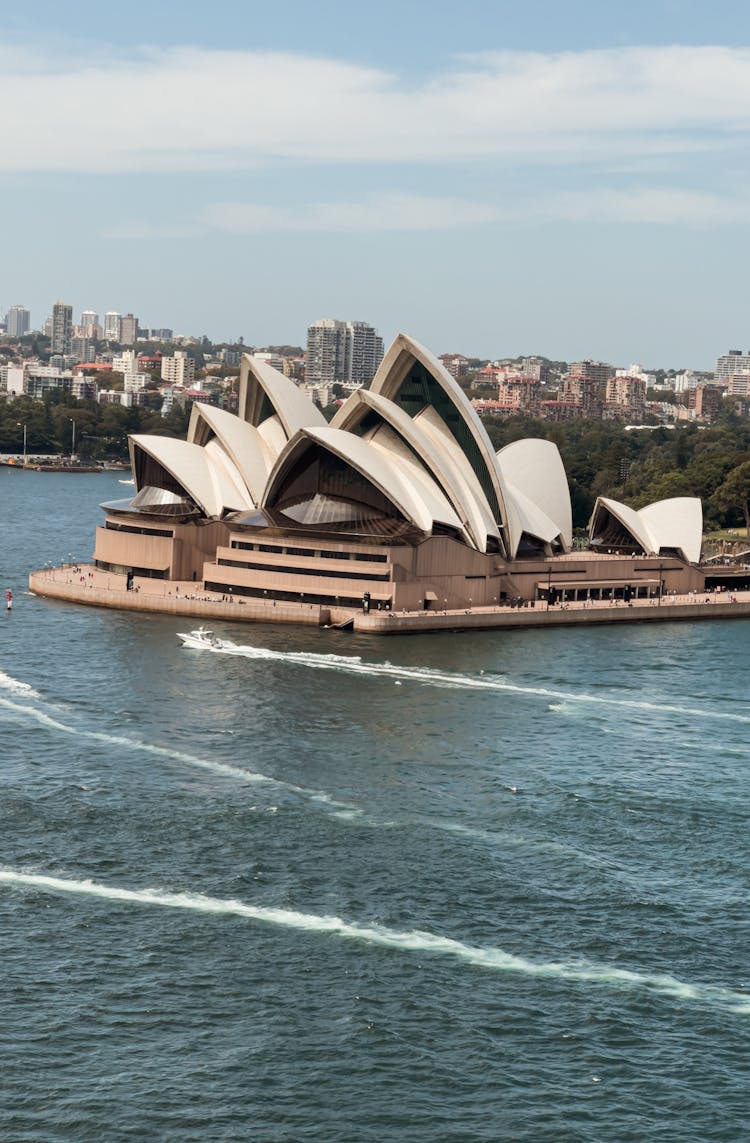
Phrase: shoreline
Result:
[82,584]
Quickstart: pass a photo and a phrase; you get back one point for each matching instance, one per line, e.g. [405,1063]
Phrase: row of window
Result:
[166,534]
[319,572]
[123,569]
[279,550]
[296,596]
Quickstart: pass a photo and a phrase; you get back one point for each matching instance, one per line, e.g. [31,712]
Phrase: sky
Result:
[493,178]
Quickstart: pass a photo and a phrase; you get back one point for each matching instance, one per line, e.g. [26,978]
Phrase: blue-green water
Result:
[461,887]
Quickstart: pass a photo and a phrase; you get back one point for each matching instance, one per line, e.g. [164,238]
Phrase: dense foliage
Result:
[641,466]
[601,458]
[101,431]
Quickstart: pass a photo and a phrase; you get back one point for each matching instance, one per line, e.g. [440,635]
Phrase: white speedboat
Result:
[201,638]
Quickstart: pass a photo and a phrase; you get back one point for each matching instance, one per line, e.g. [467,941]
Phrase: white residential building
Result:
[339,351]
[112,325]
[178,370]
[732,364]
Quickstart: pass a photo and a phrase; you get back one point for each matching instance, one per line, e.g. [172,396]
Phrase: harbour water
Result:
[322,887]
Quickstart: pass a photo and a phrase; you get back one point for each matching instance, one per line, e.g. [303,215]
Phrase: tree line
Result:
[101,431]
[601,458]
[641,466]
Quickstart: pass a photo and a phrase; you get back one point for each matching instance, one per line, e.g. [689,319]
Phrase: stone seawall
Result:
[85,585]
[385,623]
[53,586]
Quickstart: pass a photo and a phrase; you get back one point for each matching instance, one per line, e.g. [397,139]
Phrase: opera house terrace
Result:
[396,516]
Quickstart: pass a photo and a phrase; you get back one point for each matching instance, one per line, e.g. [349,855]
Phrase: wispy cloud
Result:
[658,205]
[380,212]
[395,211]
[191,110]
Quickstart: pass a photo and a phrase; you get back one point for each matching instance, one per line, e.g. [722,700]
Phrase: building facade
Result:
[112,326]
[62,327]
[17,321]
[128,330]
[178,370]
[339,351]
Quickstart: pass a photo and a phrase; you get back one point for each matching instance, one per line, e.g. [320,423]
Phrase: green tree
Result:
[733,495]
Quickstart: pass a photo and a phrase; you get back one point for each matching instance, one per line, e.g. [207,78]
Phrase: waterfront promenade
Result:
[84,584]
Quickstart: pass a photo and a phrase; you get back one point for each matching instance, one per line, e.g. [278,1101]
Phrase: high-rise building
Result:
[628,394]
[90,324]
[588,370]
[325,361]
[62,327]
[178,370]
[732,364]
[112,322]
[342,351]
[366,352]
[706,400]
[17,321]
[128,330]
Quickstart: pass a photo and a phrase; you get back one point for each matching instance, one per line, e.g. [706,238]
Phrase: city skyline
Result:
[496,182]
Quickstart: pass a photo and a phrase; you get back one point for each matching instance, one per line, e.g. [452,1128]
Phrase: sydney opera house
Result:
[400,503]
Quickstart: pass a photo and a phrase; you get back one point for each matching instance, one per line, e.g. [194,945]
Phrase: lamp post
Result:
[549,583]
[25,457]
[661,584]
[73,440]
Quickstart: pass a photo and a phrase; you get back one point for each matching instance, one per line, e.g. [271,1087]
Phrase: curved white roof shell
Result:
[393,380]
[469,503]
[263,388]
[212,481]
[400,478]
[213,487]
[534,478]
[242,443]
[675,523]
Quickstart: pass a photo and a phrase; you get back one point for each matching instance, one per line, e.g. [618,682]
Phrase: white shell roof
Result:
[533,473]
[675,523]
[233,462]
[294,409]
[242,442]
[464,476]
[470,504]
[420,500]
[388,380]
[214,488]
[417,477]
[187,463]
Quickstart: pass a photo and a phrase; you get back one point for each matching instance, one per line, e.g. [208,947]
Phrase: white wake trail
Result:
[16,687]
[26,712]
[354,665]
[409,941]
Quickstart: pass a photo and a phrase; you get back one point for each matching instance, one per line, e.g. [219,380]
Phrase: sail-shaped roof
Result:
[365,412]
[186,468]
[411,377]
[666,525]
[304,473]
[534,479]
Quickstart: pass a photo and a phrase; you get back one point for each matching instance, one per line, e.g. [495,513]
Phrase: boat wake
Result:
[25,712]
[424,676]
[575,971]
[16,687]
